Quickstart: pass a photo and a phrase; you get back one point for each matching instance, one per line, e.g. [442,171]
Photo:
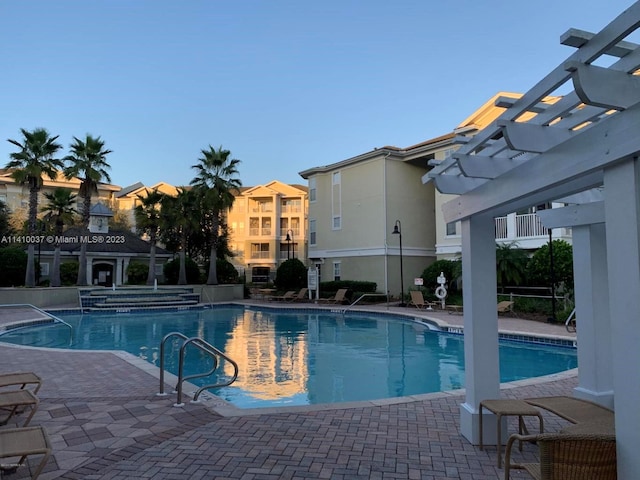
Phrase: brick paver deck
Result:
[106,422]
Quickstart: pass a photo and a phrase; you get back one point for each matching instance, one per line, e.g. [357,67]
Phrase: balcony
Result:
[516,227]
[284,231]
[262,255]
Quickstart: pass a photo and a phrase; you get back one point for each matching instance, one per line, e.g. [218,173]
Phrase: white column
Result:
[89,270]
[118,274]
[595,381]
[512,231]
[482,369]
[125,265]
[622,216]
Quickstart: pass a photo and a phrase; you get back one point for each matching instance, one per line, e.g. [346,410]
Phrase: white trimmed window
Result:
[336,201]
[312,189]
[312,232]
[337,267]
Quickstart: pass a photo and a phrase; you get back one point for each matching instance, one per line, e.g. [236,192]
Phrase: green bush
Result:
[69,273]
[137,273]
[291,275]
[172,271]
[13,265]
[225,271]
[539,266]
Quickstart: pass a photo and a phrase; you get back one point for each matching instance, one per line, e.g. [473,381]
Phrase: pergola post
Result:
[595,380]
[482,369]
[622,214]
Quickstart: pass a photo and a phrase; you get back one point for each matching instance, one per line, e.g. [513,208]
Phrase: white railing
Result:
[260,255]
[529,225]
[513,227]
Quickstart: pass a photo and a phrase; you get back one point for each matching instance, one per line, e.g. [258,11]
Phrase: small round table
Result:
[504,408]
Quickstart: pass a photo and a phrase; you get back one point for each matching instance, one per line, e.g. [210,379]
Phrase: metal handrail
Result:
[361,297]
[205,347]
[50,315]
[214,352]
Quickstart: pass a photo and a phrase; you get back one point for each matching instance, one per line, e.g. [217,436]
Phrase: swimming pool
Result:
[299,356]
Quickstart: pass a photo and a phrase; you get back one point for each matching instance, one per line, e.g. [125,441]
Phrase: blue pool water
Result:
[289,357]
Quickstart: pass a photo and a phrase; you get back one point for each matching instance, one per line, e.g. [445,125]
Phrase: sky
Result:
[284,85]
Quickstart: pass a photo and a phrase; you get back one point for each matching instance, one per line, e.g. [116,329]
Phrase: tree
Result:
[291,274]
[5,225]
[59,211]
[511,264]
[452,270]
[89,165]
[217,182]
[13,263]
[147,215]
[35,159]
[177,220]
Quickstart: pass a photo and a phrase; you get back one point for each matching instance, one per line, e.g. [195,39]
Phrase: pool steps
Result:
[93,299]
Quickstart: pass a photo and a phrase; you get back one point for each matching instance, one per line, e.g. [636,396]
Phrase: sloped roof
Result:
[116,242]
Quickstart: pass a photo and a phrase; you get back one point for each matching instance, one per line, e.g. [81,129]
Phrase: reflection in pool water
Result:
[289,357]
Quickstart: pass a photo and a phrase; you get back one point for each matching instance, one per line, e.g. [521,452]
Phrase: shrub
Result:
[539,266]
[69,273]
[355,288]
[13,265]
[172,271]
[137,273]
[291,274]
[225,270]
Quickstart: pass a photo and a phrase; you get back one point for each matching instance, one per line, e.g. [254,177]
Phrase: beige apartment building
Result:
[267,226]
[354,206]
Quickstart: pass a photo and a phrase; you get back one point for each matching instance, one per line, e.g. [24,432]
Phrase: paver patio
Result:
[106,422]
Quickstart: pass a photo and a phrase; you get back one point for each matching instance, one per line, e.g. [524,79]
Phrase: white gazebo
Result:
[581,150]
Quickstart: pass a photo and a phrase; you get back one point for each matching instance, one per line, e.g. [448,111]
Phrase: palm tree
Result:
[35,159]
[59,211]
[147,216]
[177,220]
[511,263]
[89,165]
[216,181]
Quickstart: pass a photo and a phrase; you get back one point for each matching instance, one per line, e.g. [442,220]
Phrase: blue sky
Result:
[285,85]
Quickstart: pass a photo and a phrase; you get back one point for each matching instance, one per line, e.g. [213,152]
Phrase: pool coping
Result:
[226,409]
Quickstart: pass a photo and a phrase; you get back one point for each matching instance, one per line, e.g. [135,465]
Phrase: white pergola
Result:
[582,150]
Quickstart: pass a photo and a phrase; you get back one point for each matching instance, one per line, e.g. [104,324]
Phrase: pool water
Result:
[289,357]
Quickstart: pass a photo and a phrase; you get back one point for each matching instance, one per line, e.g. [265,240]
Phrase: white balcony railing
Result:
[284,231]
[514,227]
[260,255]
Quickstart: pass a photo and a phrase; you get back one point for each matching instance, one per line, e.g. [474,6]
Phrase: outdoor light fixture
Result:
[289,240]
[397,230]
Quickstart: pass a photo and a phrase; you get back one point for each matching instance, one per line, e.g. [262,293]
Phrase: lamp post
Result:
[397,230]
[289,241]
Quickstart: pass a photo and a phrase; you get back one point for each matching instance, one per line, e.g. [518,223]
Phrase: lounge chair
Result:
[22,442]
[339,297]
[301,296]
[15,401]
[505,306]
[21,378]
[574,410]
[284,298]
[568,456]
[418,301]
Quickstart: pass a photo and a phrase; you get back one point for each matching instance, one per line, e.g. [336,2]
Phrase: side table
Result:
[504,408]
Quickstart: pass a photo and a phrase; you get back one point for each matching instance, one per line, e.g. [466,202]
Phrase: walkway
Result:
[106,422]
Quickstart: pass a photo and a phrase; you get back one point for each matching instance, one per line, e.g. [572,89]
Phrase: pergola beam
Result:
[603,87]
[585,153]
[533,138]
[573,216]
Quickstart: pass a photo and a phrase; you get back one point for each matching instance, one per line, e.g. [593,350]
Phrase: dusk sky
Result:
[285,85]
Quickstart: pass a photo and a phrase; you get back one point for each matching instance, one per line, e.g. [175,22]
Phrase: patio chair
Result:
[15,401]
[339,297]
[567,457]
[418,301]
[301,296]
[21,378]
[22,442]
[284,298]
[505,306]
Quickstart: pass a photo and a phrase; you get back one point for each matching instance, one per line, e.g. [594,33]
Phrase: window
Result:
[336,202]
[336,271]
[312,232]
[159,269]
[451,228]
[44,269]
[312,189]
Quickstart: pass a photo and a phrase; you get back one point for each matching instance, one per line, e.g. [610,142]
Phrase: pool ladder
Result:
[204,346]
